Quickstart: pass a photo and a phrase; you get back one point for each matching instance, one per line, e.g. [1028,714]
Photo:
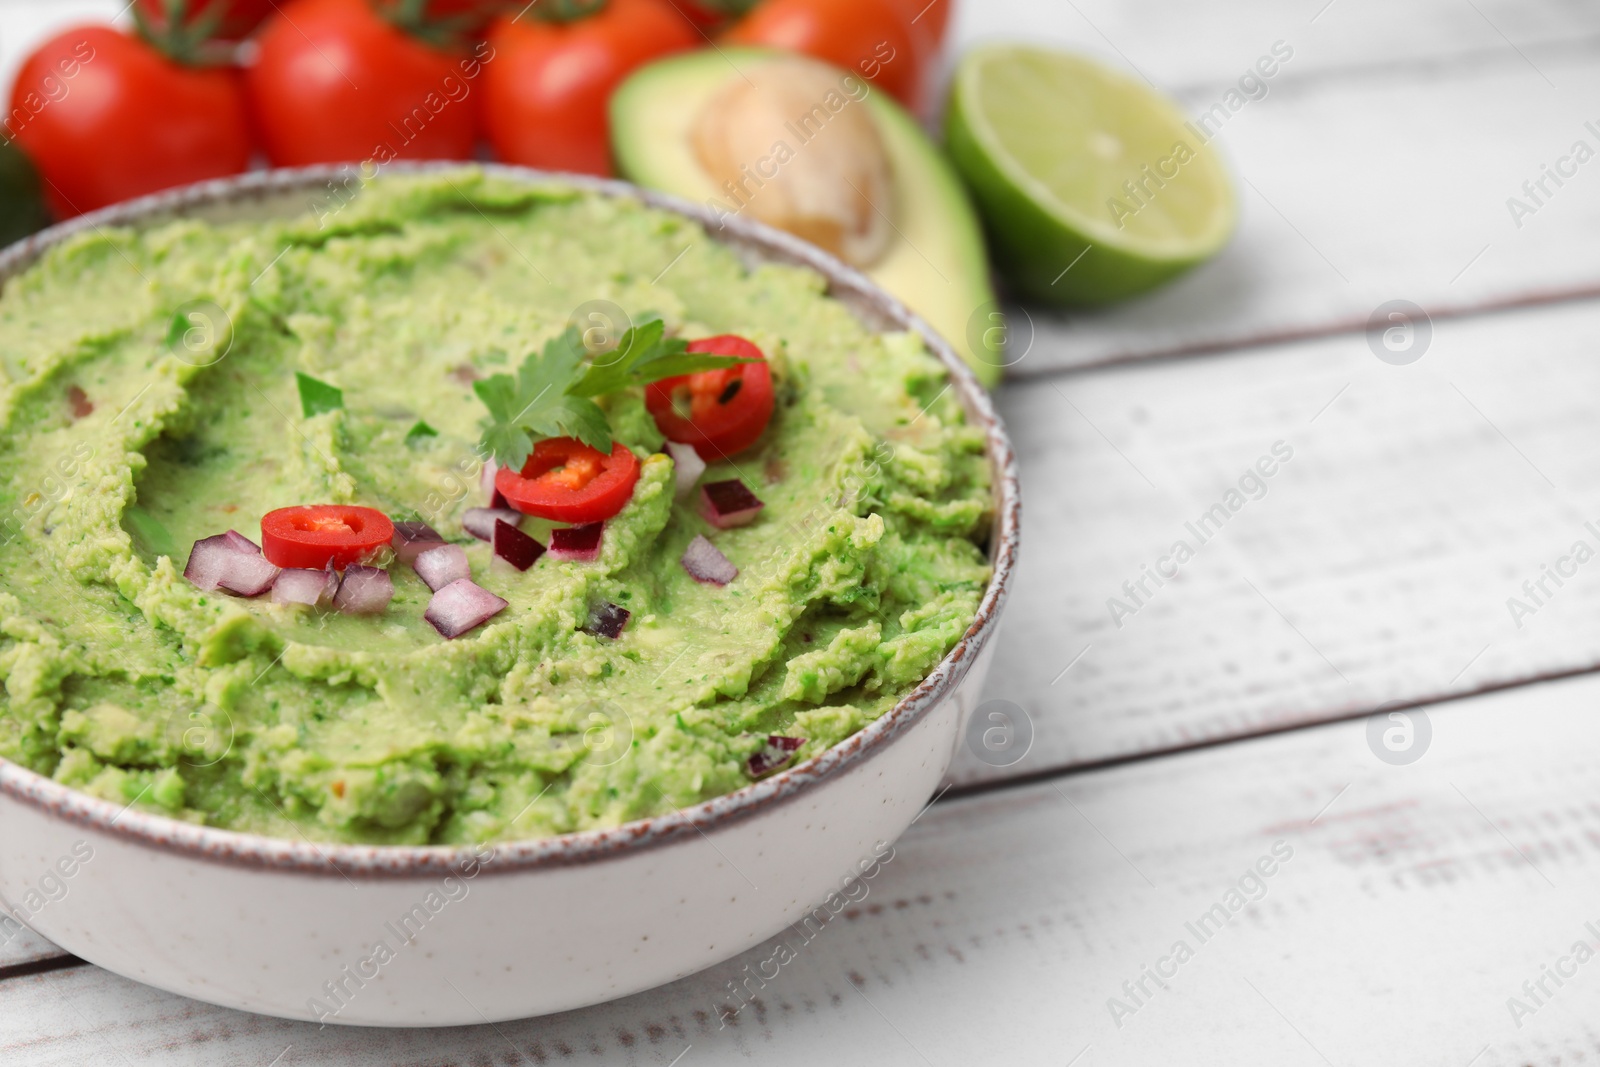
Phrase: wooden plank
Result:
[20,946]
[1377,567]
[1405,906]
[1357,191]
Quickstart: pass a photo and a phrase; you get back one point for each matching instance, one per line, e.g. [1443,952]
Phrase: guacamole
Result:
[151,400]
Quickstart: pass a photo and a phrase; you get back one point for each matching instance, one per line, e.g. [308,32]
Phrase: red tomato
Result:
[467,15]
[545,95]
[105,117]
[239,17]
[314,535]
[719,412]
[871,38]
[334,82]
[565,480]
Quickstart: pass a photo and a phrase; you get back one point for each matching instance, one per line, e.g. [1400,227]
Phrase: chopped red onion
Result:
[218,563]
[515,547]
[581,543]
[240,543]
[441,565]
[82,406]
[412,539]
[479,522]
[461,606]
[687,465]
[301,586]
[607,620]
[364,591]
[779,751]
[706,564]
[728,504]
[486,482]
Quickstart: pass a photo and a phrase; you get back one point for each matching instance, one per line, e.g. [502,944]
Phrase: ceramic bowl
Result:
[433,936]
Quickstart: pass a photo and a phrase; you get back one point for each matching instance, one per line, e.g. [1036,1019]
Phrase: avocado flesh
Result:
[935,262]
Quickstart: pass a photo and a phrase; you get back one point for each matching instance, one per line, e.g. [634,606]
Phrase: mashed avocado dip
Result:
[150,400]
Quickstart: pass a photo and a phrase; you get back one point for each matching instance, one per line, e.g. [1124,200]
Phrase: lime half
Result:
[1093,185]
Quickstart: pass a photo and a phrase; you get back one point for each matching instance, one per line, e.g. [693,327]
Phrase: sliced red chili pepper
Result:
[565,480]
[314,535]
[719,412]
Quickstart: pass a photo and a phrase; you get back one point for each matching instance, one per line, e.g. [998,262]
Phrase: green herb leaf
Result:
[644,355]
[317,397]
[551,394]
[419,432]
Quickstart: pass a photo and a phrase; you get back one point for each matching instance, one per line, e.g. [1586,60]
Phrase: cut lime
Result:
[1093,185]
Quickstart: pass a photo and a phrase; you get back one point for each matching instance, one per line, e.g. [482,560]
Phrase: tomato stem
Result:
[566,10]
[183,39]
[412,17]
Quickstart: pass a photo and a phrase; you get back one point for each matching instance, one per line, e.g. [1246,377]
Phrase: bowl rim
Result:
[388,862]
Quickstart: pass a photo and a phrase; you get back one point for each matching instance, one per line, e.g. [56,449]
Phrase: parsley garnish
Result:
[316,396]
[420,431]
[551,395]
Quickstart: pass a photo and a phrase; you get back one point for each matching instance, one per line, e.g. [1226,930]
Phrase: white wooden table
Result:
[1228,715]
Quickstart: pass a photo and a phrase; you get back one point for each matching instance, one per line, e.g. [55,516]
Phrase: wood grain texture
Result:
[1377,566]
[1413,903]
[1355,191]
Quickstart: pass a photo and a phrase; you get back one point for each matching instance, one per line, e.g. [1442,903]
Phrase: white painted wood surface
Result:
[1376,568]
[1416,901]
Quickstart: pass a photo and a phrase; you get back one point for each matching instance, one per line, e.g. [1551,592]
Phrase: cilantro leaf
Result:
[552,392]
[536,404]
[316,396]
[420,431]
[644,355]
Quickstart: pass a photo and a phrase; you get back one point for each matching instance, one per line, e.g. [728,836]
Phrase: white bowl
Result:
[283,926]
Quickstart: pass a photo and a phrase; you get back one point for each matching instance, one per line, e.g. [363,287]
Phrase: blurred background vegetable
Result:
[554,69]
[105,117]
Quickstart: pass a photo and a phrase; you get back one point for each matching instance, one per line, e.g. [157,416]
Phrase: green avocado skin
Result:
[22,207]
[148,399]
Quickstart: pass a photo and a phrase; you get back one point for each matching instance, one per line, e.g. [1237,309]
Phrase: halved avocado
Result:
[934,259]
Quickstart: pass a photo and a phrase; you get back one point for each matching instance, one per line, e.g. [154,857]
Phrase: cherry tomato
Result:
[334,82]
[719,412]
[463,15]
[870,38]
[545,94]
[239,17]
[105,117]
[314,535]
[565,480]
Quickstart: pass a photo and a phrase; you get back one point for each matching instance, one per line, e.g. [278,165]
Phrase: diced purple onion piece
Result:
[515,547]
[240,543]
[778,751]
[219,563]
[412,539]
[607,620]
[581,543]
[486,482]
[461,606]
[441,565]
[706,564]
[479,522]
[364,591]
[728,504]
[298,585]
[687,466]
